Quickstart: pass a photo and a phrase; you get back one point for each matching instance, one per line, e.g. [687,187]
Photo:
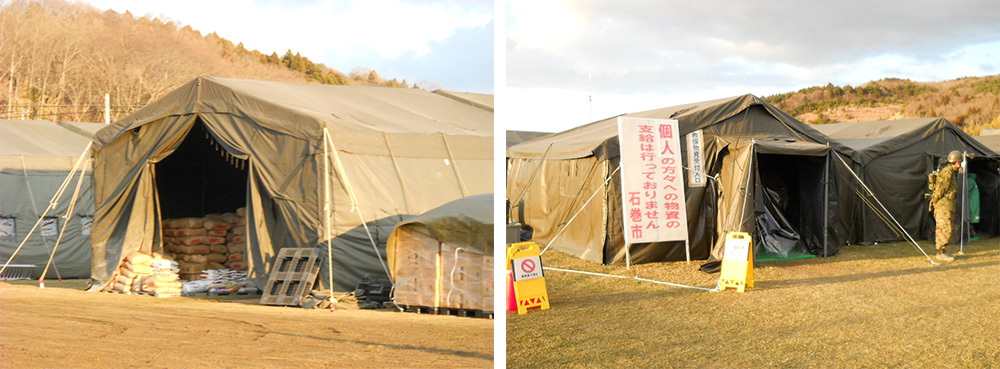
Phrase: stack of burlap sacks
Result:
[140,272]
[217,241]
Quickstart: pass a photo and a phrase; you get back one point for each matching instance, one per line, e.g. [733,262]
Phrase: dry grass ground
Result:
[870,306]
[62,326]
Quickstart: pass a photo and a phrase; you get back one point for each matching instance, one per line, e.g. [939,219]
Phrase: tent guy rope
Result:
[908,237]
[52,204]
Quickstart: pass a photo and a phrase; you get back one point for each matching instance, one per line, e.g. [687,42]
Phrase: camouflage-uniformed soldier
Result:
[943,201]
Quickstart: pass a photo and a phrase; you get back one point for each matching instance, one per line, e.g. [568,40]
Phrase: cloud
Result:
[658,43]
[648,54]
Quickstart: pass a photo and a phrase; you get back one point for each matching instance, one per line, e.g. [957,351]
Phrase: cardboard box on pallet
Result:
[415,268]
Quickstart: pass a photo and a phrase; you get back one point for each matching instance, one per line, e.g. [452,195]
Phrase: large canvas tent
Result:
[750,147]
[444,257]
[894,158]
[36,156]
[384,153]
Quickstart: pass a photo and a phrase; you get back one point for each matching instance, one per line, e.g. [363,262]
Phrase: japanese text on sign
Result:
[696,163]
[652,180]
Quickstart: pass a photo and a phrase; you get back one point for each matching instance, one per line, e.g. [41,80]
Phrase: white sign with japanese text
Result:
[652,180]
[696,160]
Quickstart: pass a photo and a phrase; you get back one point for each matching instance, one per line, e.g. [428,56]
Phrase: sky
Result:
[439,44]
[569,63]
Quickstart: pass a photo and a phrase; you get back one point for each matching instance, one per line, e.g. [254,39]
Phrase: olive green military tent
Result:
[284,151]
[752,149]
[894,158]
[36,156]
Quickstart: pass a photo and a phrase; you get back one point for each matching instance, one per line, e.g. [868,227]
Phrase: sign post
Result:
[529,278]
[653,203]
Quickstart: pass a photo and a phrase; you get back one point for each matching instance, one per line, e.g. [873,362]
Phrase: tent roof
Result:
[588,139]
[482,101]
[87,129]
[516,137]
[39,138]
[466,222]
[354,114]
[990,141]
[877,138]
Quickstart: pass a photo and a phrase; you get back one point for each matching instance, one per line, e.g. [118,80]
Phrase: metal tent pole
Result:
[826,203]
[965,205]
[326,210]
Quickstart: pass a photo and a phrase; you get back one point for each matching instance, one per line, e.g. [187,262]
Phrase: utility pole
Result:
[107,108]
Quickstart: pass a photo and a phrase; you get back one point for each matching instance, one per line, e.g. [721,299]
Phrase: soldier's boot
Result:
[944,256]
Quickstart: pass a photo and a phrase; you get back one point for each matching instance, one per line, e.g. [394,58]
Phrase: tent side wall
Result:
[557,192]
[24,198]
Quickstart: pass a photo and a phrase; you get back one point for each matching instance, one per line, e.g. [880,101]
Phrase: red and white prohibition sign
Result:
[527,268]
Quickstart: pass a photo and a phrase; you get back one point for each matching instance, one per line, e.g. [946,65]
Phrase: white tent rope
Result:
[527,184]
[354,204]
[554,238]
[68,216]
[636,278]
[31,196]
[453,268]
[908,237]
[52,204]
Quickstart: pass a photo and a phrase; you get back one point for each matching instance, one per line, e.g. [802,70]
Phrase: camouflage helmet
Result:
[954,156]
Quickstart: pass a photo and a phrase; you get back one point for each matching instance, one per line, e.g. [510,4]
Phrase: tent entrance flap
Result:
[790,203]
[200,178]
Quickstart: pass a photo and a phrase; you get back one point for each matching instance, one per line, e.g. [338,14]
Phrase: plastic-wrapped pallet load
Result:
[461,278]
[416,273]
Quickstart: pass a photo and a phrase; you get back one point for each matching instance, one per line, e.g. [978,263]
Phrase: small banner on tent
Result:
[696,160]
[652,180]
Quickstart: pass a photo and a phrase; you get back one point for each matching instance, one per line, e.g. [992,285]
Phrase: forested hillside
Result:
[972,103]
[58,59]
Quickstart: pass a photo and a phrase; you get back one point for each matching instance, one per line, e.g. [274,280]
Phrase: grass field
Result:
[871,306]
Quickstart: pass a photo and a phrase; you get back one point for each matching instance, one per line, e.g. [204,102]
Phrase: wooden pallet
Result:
[292,276]
[465,313]
[144,293]
[212,294]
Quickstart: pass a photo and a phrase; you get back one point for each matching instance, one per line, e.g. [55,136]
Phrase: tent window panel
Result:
[50,227]
[7,227]
[85,222]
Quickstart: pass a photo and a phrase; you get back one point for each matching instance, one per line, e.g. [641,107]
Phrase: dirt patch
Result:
[63,326]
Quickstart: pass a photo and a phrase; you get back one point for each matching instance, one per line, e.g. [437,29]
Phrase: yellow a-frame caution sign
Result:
[524,260]
[737,263]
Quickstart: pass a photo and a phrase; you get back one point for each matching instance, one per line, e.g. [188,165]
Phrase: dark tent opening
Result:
[790,218]
[980,201]
[199,178]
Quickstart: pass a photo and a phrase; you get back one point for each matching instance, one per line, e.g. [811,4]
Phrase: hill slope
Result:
[58,60]
[972,103]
